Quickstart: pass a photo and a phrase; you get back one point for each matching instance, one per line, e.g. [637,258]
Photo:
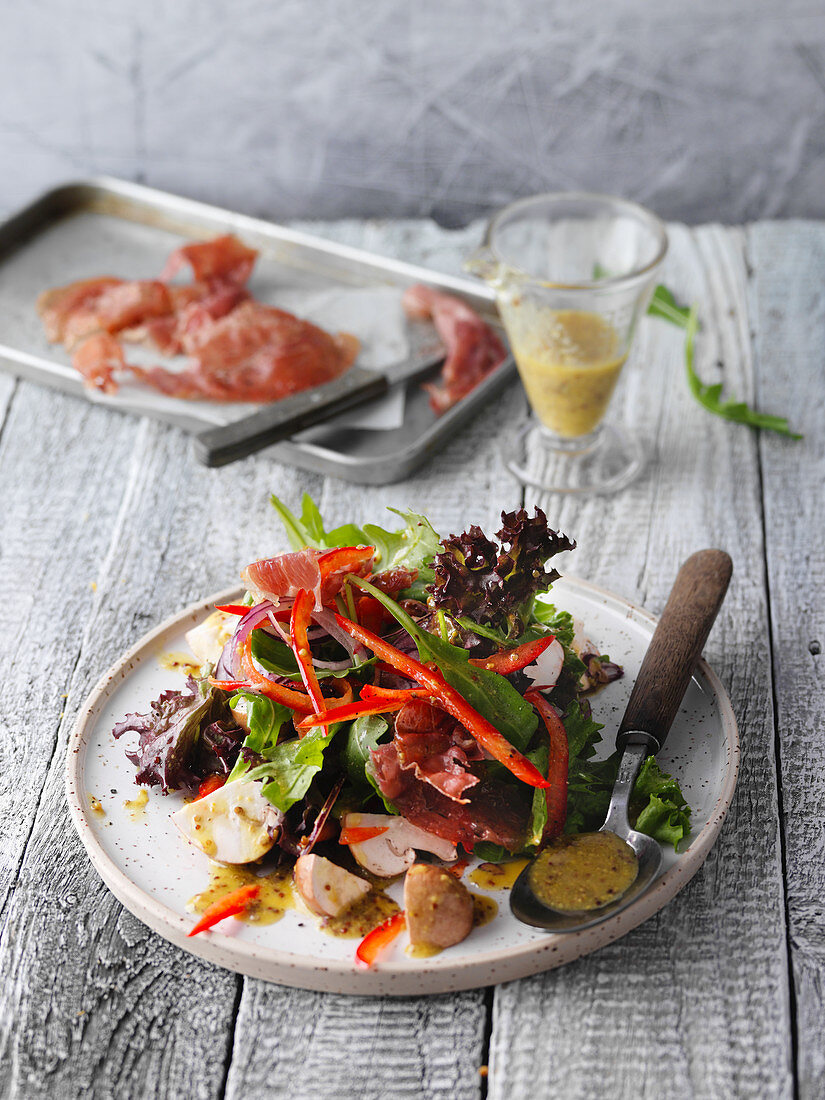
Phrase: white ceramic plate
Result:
[153,872]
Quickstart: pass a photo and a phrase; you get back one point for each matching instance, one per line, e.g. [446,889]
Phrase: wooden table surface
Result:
[108,525]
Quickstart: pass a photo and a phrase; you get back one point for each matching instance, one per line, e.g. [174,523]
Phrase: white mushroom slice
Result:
[581,643]
[234,824]
[240,713]
[548,666]
[327,889]
[208,639]
[393,852]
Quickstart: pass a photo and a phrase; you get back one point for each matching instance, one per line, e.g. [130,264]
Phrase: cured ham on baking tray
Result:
[236,347]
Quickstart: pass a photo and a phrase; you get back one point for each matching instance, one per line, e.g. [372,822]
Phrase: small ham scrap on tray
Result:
[473,348]
[238,348]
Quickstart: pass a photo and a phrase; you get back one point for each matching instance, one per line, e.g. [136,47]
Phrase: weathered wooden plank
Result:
[695,1002]
[289,1042]
[93,1003]
[788,312]
[60,497]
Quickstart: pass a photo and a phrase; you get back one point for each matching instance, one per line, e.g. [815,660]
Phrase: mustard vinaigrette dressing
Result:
[569,362]
[577,873]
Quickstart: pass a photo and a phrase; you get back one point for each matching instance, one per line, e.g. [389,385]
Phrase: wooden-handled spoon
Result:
[671,657]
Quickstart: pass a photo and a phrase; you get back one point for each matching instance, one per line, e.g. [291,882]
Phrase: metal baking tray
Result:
[107,226]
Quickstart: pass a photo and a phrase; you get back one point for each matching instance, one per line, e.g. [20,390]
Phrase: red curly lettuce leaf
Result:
[496,584]
[167,752]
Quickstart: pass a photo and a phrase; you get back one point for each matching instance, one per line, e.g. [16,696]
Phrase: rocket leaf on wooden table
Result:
[663,305]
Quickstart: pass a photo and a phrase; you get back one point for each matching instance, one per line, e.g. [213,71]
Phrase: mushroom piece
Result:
[234,824]
[393,851]
[208,638]
[439,908]
[327,889]
[240,713]
[546,670]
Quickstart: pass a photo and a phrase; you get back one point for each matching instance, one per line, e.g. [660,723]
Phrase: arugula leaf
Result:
[491,853]
[411,547]
[292,766]
[583,733]
[710,396]
[490,694]
[364,734]
[663,305]
[538,811]
[309,529]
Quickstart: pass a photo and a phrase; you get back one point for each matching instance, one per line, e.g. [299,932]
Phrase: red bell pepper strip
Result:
[347,559]
[343,690]
[290,698]
[299,621]
[511,660]
[556,793]
[232,608]
[229,685]
[227,906]
[211,784]
[357,834]
[374,943]
[350,711]
[373,691]
[372,614]
[450,700]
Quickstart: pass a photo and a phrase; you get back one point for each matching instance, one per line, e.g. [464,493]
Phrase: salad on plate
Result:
[385,703]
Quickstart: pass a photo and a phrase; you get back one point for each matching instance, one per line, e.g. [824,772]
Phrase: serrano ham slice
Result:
[71,313]
[97,359]
[224,258]
[255,353]
[493,811]
[473,347]
[239,349]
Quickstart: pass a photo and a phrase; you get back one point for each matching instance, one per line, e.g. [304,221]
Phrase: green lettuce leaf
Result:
[292,766]
[490,694]
[265,719]
[411,547]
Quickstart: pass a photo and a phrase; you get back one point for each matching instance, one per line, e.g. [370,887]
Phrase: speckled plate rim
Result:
[335,976]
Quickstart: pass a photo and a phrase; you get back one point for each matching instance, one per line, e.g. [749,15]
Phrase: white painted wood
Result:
[694,1003]
[788,310]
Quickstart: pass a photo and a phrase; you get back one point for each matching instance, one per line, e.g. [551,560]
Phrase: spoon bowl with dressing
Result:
[577,881]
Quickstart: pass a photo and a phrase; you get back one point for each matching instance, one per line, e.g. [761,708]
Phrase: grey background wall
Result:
[703,109]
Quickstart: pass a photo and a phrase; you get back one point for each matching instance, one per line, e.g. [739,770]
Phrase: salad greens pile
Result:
[457,605]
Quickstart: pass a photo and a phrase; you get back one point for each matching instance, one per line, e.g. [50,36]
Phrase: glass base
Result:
[604,462]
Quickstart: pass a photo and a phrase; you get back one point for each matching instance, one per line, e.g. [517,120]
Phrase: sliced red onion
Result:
[326,619]
[333,666]
[321,819]
[227,667]
[254,617]
[279,628]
